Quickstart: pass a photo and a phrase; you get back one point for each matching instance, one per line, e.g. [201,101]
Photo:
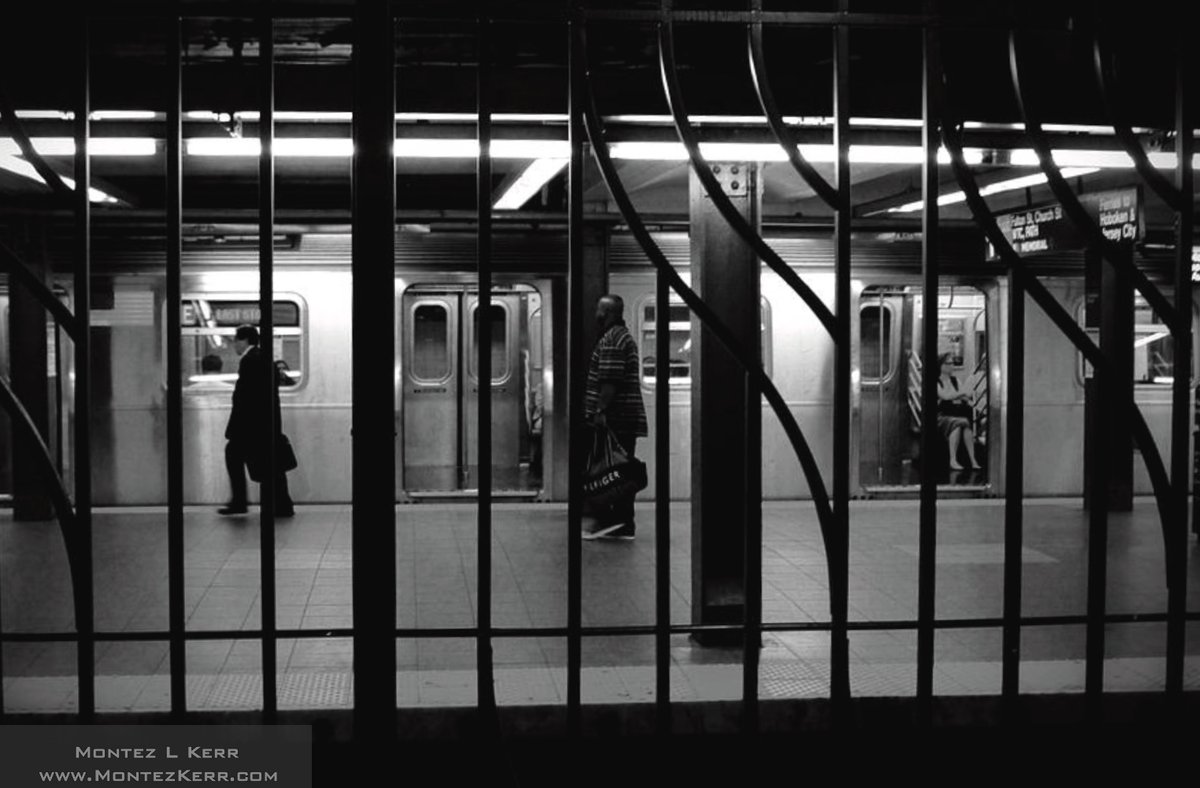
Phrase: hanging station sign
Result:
[1047,228]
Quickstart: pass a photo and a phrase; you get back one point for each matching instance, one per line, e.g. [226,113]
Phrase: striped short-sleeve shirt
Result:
[615,360]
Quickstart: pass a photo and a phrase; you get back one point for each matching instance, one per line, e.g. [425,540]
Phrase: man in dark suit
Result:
[249,425]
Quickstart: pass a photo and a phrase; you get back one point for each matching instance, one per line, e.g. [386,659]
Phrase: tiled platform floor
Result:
[436,569]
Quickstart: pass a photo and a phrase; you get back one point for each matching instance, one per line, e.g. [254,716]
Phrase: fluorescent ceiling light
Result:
[292,147]
[888,123]
[284,115]
[1011,184]
[761,151]
[103,114]
[19,166]
[44,114]
[320,147]
[221,146]
[530,182]
[97,146]
[1105,159]
[761,120]
[1146,340]
[1064,128]
[436,149]
[125,114]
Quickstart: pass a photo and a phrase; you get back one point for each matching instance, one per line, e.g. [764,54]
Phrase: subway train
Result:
[436,320]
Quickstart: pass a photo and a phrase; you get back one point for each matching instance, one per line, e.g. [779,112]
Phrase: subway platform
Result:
[436,588]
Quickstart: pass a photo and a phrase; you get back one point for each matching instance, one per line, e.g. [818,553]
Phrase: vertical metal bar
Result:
[882,360]
[752,631]
[839,581]
[483,98]
[85,594]
[1098,503]
[373,514]
[174,228]
[662,501]
[926,571]
[1014,495]
[266,300]
[1180,443]
[58,400]
[575,384]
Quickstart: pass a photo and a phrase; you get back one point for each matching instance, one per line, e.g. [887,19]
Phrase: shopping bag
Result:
[611,476]
[285,459]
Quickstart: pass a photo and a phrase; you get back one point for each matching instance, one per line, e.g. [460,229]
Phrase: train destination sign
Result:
[1049,229]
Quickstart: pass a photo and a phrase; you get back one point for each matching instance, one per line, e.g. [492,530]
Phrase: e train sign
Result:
[1048,228]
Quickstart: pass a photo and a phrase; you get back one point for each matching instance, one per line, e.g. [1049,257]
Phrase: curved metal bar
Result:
[1059,316]
[766,100]
[1071,204]
[666,61]
[1105,80]
[52,178]
[58,491]
[18,268]
[804,453]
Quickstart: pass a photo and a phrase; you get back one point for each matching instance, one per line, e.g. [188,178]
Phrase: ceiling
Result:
[437,75]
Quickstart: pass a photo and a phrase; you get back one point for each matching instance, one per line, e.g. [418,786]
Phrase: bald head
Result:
[610,310]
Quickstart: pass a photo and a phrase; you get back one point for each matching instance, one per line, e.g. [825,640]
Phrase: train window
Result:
[498,317]
[431,343]
[875,359]
[1153,347]
[680,327]
[208,325]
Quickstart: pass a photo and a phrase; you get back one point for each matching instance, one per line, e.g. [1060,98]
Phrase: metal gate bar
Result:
[266,300]
[373,301]
[174,230]
[84,588]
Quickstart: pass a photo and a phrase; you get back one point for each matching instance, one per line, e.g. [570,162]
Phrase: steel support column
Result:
[725,274]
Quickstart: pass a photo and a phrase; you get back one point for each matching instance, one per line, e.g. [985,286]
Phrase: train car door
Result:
[891,374]
[440,390]
[883,395]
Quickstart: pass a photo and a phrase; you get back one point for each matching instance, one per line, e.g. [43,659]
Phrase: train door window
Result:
[431,342]
[1153,347]
[208,326]
[680,326]
[498,317]
[875,358]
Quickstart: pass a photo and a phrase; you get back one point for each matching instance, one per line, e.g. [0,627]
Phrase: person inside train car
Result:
[955,413]
[613,397]
[246,432]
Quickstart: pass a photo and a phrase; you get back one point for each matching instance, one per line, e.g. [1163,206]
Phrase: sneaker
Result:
[615,531]
[233,509]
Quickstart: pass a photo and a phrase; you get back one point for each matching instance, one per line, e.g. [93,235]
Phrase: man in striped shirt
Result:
[614,398]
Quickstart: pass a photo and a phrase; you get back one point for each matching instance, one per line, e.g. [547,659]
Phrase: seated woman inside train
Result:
[954,414]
